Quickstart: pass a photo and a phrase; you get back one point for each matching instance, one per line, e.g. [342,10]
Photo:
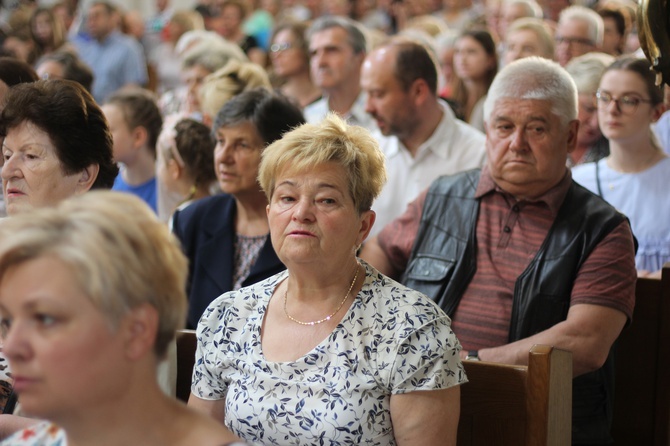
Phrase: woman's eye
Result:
[5,324]
[45,319]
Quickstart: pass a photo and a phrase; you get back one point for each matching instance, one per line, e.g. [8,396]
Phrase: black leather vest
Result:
[443,262]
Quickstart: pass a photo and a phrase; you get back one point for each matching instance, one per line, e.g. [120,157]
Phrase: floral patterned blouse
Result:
[43,434]
[392,340]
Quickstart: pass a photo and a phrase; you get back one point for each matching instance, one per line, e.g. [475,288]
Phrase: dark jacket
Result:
[443,262]
[206,230]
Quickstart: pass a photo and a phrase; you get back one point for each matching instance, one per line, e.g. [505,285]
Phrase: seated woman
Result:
[528,37]
[56,144]
[84,341]
[226,237]
[289,55]
[65,65]
[226,82]
[12,72]
[586,71]
[634,177]
[475,64]
[330,348]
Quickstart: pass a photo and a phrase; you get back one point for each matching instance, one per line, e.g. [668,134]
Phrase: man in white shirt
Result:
[337,48]
[418,132]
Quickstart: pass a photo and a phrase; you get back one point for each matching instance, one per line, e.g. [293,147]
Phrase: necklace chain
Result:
[327,318]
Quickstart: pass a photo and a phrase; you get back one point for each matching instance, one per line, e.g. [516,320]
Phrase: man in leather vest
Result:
[519,254]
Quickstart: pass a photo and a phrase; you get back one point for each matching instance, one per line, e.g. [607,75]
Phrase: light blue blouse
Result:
[644,197]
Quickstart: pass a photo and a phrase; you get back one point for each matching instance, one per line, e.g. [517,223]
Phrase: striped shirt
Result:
[509,234]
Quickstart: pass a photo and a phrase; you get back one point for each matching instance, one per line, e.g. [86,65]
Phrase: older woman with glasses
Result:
[634,177]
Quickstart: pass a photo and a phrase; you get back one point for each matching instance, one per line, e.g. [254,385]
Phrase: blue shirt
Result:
[116,61]
[146,191]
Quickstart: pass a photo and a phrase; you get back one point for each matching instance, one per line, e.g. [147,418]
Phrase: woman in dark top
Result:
[226,237]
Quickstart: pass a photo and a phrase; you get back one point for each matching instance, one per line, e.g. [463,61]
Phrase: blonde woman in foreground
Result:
[85,339]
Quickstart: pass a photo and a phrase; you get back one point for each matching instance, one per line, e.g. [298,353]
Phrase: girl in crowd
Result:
[185,160]
[289,55]
[47,32]
[634,177]
[476,64]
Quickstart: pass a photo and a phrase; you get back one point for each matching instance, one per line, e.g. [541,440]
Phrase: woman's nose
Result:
[14,345]
[304,210]
[10,168]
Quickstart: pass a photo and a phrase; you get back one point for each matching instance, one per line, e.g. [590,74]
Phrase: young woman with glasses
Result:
[634,177]
[289,56]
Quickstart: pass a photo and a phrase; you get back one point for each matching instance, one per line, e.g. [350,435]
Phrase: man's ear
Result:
[86,178]
[140,328]
[419,90]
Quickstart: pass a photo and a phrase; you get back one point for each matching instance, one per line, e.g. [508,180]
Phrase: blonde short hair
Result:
[121,256]
[231,80]
[544,34]
[331,140]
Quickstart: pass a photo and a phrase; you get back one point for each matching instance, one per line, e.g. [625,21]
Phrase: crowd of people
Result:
[345,199]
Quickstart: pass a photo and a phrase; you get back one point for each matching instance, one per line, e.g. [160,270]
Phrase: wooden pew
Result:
[186,345]
[642,387]
[507,405]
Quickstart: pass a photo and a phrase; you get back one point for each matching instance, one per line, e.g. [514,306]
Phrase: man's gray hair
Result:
[595,23]
[535,78]
[355,35]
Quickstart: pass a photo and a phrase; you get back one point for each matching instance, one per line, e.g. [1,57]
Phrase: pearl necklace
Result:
[327,318]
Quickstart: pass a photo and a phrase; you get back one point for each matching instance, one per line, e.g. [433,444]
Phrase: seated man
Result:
[519,254]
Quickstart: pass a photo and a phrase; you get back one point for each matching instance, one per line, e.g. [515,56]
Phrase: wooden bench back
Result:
[642,386]
[186,345]
[507,405]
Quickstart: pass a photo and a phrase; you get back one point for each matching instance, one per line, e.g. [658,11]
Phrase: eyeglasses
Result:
[574,41]
[626,104]
[280,47]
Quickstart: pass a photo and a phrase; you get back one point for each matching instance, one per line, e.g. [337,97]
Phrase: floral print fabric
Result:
[43,434]
[392,340]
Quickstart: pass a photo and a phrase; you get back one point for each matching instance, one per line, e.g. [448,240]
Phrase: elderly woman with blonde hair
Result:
[330,348]
[85,339]
[528,37]
[586,71]
[229,81]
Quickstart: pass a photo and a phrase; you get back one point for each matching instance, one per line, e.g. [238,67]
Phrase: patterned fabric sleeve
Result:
[5,381]
[42,434]
[207,382]
[428,359]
